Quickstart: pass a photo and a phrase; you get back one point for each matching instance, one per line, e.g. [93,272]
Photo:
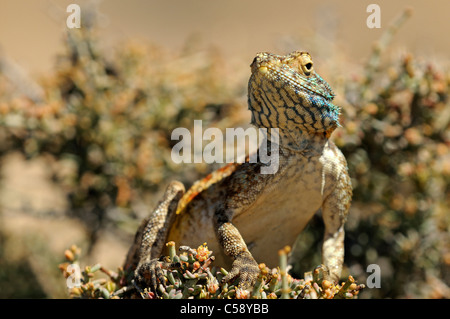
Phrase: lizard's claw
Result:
[246,268]
[149,273]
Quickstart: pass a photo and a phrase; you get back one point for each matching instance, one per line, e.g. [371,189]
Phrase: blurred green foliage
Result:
[400,164]
[104,125]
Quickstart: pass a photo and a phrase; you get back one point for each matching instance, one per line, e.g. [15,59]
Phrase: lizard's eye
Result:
[307,68]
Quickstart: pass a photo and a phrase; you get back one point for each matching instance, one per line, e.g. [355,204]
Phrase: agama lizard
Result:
[244,215]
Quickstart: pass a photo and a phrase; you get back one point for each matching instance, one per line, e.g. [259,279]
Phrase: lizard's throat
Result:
[299,141]
[291,109]
[296,133]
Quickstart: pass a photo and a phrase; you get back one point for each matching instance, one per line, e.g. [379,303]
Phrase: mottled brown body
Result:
[244,215]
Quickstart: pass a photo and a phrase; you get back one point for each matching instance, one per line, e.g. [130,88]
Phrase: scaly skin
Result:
[244,215]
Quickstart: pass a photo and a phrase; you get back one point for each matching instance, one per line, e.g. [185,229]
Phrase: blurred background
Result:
[86,116]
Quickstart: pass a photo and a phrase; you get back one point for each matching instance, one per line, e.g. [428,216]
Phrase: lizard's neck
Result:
[301,142]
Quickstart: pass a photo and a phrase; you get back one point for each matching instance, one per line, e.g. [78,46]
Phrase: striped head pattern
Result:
[285,92]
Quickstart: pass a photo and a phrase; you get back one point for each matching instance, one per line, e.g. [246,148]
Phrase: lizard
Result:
[244,215]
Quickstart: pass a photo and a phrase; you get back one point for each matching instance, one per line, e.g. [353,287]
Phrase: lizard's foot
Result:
[324,272]
[148,274]
[246,268]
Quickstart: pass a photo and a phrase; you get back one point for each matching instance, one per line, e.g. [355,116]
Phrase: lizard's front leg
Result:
[244,265]
[150,239]
[334,213]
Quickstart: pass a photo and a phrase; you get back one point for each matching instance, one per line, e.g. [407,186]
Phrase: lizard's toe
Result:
[248,277]
[246,268]
[148,274]
[234,273]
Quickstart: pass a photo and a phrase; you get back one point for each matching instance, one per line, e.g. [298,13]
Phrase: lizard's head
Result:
[285,92]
